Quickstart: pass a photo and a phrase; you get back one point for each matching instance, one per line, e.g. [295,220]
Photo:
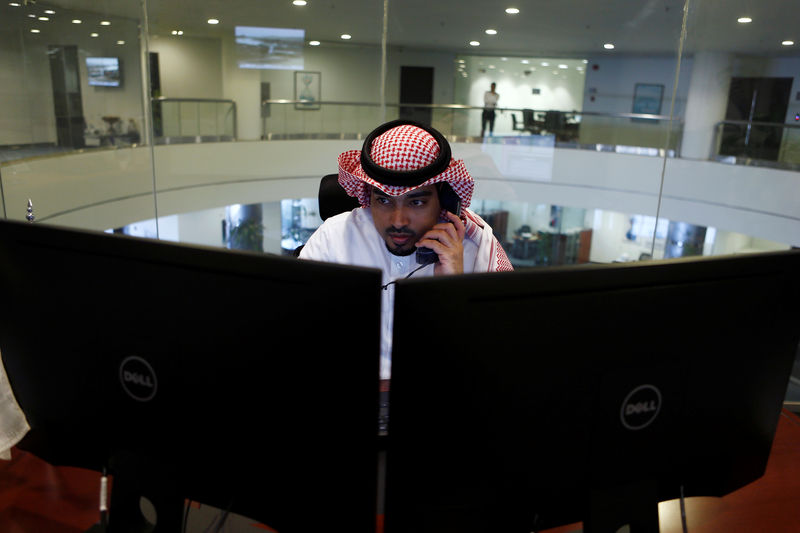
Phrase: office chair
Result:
[514,123]
[332,200]
[554,121]
[528,122]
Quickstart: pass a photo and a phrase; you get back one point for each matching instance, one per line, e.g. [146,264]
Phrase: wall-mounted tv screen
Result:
[269,48]
[104,71]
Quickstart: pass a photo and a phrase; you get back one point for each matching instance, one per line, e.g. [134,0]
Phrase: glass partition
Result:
[742,109]
[74,141]
[221,77]
[88,86]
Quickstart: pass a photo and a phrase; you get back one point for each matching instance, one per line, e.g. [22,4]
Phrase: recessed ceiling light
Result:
[76,21]
[299,2]
[562,66]
[31,15]
[174,32]
[180,32]
[120,42]
[608,46]
[524,61]
[213,21]
[545,64]
[34,30]
[105,23]
[314,43]
[503,59]
[491,32]
[787,43]
[512,10]
[744,20]
[94,35]
[474,43]
[14,4]
[585,61]
[44,18]
[49,12]
[346,36]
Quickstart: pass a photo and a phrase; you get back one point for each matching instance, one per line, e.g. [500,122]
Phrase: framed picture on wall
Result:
[647,98]
[307,90]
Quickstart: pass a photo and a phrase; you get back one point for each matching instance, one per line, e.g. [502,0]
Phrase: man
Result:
[490,99]
[401,178]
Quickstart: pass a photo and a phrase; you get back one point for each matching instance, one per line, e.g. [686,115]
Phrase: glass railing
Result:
[189,120]
[288,119]
[756,143]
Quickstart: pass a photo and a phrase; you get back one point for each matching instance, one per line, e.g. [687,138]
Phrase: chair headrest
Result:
[332,197]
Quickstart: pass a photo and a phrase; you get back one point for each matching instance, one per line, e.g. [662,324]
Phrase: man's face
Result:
[403,220]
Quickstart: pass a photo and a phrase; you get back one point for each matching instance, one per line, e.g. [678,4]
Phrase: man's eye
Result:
[417,203]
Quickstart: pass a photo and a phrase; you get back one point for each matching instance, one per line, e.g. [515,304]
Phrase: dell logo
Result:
[138,378]
[640,407]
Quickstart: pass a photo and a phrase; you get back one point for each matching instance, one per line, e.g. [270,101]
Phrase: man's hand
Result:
[446,239]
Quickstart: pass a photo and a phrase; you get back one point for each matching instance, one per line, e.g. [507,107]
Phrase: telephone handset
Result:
[449,201]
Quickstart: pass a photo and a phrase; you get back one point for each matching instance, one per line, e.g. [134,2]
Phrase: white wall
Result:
[610,86]
[27,112]
[106,189]
[189,67]
[557,89]
[611,81]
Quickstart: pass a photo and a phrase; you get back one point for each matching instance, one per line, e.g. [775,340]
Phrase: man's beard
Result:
[400,252]
[398,249]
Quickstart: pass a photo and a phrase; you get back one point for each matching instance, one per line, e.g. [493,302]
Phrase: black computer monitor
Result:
[527,400]
[244,381]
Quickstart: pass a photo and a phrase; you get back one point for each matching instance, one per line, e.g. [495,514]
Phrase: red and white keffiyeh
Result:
[403,148]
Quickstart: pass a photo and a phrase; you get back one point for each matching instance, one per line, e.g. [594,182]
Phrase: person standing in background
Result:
[490,99]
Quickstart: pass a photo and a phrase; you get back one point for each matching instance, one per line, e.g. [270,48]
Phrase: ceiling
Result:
[554,28]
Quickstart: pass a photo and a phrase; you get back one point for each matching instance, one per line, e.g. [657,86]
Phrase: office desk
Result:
[35,496]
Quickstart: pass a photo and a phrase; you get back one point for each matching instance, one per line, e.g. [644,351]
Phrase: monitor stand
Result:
[133,477]
[634,504]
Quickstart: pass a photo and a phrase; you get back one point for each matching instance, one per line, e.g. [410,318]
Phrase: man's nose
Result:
[399,217]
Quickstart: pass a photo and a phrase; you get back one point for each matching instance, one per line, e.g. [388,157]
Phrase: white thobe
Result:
[351,238]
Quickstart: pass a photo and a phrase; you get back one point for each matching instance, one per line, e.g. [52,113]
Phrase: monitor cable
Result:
[219,520]
[683,512]
[386,287]
[186,515]
[103,501]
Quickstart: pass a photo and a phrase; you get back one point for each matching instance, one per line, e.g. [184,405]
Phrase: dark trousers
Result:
[488,117]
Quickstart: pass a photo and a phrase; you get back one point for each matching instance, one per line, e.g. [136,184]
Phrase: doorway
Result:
[755,100]
[416,87]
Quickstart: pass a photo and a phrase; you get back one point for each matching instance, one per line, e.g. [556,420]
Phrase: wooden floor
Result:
[37,497]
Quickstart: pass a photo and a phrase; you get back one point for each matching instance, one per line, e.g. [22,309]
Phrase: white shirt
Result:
[351,238]
[490,99]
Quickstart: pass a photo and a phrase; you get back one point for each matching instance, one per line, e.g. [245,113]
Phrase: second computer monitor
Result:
[526,400]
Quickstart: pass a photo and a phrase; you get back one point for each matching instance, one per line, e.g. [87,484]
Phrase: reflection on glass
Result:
[534,235]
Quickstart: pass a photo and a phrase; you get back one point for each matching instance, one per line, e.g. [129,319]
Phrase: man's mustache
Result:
[399,231]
